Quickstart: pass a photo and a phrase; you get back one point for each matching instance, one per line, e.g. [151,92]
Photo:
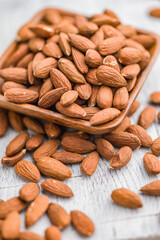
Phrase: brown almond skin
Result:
[155,12]
[147,116]
[68,157]
[104,97]
[112,62]
[36,209]
[90,163]
[156,146]
[64,44]
[4,122]
[84,90]
[123,126]
[88,28]
[141,133]
[10,84]
[42,30]
[34,142]
[46,149]
[73,110]
[130,71]
[129,55]
[58,216]
[92,78]
[59,79]
[18,75]
[53,168]
[36,44]
[104,148]
[77,145]
[121,139]
[97,38]
[52,49]
[79,60]
[33,124]
[52,130]
[121,158]
[11,161]
[13,204]
[151,163]
[110,45]
[28,171]
[79,134]
[57,188]
[152,188]
[29,191]
[135,105]
[90,111]
[82,223]
[52,233]
[16,121]
[20,95]
[46,87]
[17,144]
[69,97]
[42,68]
[121,98]
[27,235]
[126,198]
[11,226]
[93,58]
[155,97]
[146,40]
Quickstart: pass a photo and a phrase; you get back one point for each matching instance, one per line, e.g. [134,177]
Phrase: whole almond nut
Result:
[77,145]
[37,59]
[155,97]
[93,58]
[152,188]
[123,126]
[141,133]
[84,90]
[17,144]
[79,60]
[33,124]
[16,121]
[127,30]
[121,158]
[23,63]
[16,74]
[80,20]
[110,45]
[27,235]
[29,192]
[104,148]
[151,163]
[68,157]
[90,163]
[146,40]
[133,108]
[42,30]
[121,139]
[34,142]
[36,44]
[112,62]
[155,12]
[31,78]
[11,226]
[133,44]
[58,215]
[130,71]
[90,111]
[54,38]
[59,79]
[13,204]
[121,98]
[92,78]
[3,121]
[98,37]
[69,97]
[20,95]
[25,33]
[110,77]
[53,233]
[11,161]
[82,223]
[64,44]
[101,19]
[57,188]
[46,87]
[66,27]
[36,209]
[131,83]
[110,13]
[110,31]
[28,171]
[52,16]
[88,28]
[104,116]
[93,98]
[42,68]
[9,84]
[104,97]
[129,55]
[46,149]
[156,146]
[73,110]
[126,198]
[147,117]
[52,49]
[52,130]
[79,134]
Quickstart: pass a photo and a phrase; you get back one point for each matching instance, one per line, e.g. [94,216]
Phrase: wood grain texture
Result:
[92,194]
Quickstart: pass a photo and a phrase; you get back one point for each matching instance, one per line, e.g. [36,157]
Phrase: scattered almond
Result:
[121,158]
[29,192]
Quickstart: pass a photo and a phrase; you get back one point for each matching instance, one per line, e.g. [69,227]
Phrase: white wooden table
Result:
[92,194]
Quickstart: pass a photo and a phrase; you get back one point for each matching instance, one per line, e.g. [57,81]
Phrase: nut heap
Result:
[82,67]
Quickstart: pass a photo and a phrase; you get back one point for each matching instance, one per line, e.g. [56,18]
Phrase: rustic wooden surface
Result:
[92,194]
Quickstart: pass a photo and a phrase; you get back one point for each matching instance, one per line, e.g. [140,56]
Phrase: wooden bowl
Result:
[83,125]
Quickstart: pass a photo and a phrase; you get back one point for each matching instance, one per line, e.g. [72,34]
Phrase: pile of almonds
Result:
[33,76]
[82,67]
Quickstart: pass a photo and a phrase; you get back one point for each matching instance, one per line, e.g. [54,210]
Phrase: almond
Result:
[56,187]
[59,79]
[121,158]
[25,33]
[133,108]
[79,61]
[126,198]
[31,79]
[90,111]
[54,38]
[58,216]
[121,98]
[88,28]
[46,149]
[146,40]
[130,71]
[69,69]
[13,204]
[147,117]
[78,134]
[69,97]
[80,20]
[110,45]
[66,27]
[151,163]
[155,97]
[11,161]
[52,130]
[98,37]
[155,12]
[33,124]
[11,226]
[27,235]
[29,192]
[23,63]
[112,62]
[73,110]
[92,78]
[15,74]
[34,142]
[36,44]
[145,59]
[52,49]
[110,31]
[133,44]
[42,68]
[93,58]
[4,122]
[129,55]
[121,139]
[90,163]
[46,87]
[81,43]
[28,171]
[104,116]
[20,95]
[131,83]
[144,137]
[156,146]
[123,126]
[53,168]
[16,121]
[110,77]
[68,157]
[37,59]
[50,98]
[82,223]
[53,233]
[84,90]
[93,98]
[101,19]
[127,30]
[52,16]
[104,148]
[110,13]
[36,209]
[152,188]
[17,144]
[9,84]
[64,44]
[42,30]
[77,145]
